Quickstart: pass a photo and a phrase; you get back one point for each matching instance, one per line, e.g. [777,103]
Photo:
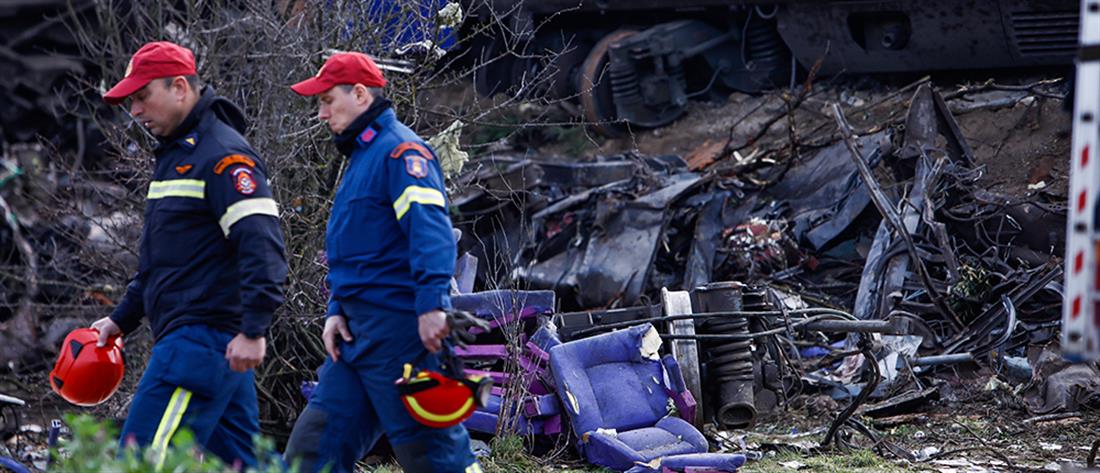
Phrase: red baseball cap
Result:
[153,61]
[342,69]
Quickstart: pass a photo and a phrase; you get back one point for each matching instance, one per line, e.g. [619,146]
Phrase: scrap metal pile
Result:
[42,67]
[62,241]
[53,234]
[857,264]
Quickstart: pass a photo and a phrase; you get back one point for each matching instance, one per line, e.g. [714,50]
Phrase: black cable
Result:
[706,315]
[864,344]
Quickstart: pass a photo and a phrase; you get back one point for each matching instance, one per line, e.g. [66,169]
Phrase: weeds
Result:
[859,461]
[94,447]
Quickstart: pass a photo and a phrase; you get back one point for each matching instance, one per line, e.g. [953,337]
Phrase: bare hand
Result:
[107,328]
[245,353]
[433,329]
[335,325]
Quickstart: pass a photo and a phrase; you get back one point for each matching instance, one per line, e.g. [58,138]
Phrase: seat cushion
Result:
[685,432]
[652,442]
[606,383]
[692,462]
[621,451]
[613,388]
[712,461]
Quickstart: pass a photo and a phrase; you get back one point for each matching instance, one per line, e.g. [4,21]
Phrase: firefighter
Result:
[391,254]
[211,268]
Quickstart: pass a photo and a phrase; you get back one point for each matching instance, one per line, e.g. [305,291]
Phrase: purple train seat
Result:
[616,392]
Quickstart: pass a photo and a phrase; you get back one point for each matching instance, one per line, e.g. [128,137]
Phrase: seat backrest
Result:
[611,381]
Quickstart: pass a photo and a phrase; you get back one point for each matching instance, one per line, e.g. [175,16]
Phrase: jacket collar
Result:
[365,127]
[187,126]
[186,135]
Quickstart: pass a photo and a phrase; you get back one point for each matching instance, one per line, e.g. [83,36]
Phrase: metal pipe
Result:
[893,326]
[705,45]
[12,400]
[731,362]
[936,360]
[890,326]
[711,315]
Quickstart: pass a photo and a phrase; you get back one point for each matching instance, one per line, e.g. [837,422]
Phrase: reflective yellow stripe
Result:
[474,467]
[193,188]
[420,411]
[244,208]
[418,195]
[169,422]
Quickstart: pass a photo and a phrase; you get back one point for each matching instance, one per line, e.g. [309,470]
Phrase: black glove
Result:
[461,322]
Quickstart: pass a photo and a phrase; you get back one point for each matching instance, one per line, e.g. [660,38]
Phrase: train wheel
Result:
[594,87]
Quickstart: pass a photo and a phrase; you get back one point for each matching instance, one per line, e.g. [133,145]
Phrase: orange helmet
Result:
[442,398]
[84,374]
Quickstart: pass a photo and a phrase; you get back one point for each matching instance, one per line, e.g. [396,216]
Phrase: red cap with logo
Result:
[152,61]
[342,69]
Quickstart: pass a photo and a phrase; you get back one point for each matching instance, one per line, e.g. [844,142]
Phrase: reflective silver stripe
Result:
[169,422]
[193,188]
[244,208]
[418,195]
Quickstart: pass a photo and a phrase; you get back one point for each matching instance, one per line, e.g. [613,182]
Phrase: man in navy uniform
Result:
[211,268]
[391,255]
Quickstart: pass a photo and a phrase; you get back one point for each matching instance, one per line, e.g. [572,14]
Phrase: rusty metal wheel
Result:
[594,87]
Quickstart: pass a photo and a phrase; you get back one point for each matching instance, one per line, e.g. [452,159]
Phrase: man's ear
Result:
[362,93]
[180,87]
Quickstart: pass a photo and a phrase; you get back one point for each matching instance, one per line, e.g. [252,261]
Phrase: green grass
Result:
[574,140]
[904,431]
[509,456]
[93,448]
[860,461]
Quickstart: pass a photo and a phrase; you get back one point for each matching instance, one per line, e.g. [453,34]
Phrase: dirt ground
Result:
[981,428]
[1024,144]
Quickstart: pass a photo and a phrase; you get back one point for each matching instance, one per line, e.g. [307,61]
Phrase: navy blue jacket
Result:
[211,247]
[389,242]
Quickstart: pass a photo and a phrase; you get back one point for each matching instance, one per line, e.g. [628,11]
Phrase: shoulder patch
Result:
[368,135]
[413,146]
[231,160]
[243,180]
[190,141]
[416,165]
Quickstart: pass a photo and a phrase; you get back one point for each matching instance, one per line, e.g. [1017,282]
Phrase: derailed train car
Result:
[640,61]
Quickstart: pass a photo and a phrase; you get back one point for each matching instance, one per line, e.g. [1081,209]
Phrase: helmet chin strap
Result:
[443,395]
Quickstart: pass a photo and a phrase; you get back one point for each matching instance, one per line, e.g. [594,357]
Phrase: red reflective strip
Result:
[1081,202]
[409,145]
[1076,312]
[1079,262]
[231,160]
[1085,156]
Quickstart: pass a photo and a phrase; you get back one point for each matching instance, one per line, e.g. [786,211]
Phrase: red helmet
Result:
[84,374]
[440,401]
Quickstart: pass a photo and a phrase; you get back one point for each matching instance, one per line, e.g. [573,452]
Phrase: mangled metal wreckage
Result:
[855,271]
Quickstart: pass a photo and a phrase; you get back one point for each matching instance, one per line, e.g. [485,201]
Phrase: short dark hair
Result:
[376,92]
[192,80]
